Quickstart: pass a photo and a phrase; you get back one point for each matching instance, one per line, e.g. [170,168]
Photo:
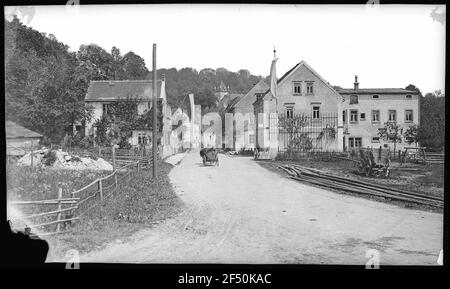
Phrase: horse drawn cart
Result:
[210,156]
[369,167]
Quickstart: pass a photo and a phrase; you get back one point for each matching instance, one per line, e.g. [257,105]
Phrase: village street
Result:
[239,212]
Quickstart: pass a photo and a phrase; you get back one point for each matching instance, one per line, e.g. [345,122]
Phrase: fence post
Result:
[114,165]
[114,157]
[100,189]
[58,216]
[32,154]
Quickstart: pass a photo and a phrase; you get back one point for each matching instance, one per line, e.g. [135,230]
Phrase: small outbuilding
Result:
[20,139]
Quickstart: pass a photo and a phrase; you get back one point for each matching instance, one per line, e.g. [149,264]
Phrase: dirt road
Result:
[239,212]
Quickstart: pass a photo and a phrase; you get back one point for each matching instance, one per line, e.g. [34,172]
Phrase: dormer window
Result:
[376,96]
[353,99]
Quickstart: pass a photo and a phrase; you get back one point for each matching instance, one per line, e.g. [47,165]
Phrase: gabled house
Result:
[303,91]
[101,94]
[244,120]
[350,117]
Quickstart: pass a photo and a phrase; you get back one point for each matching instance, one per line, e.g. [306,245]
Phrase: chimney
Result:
[356,84]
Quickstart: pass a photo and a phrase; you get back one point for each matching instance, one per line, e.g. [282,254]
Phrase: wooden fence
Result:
[81,201]
[380,154]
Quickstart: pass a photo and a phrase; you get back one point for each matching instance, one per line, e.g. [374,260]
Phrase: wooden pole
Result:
[100,189]
[114,164]
[154,103]
[32,154]
[58,216]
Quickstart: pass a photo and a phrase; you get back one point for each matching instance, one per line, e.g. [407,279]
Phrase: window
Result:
[297,87]
[376,96]
[376,139]
[316,112]
[252,139]
[375,116]
[353,99]
[392,115]
[142,138]
[289,112]
[344,115]
[409,96]
[409,115]
[355,142]
[106,108]
[309,88]
[353,115]
[362,116]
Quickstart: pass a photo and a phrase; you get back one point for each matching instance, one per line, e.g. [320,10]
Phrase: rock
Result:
[65,161]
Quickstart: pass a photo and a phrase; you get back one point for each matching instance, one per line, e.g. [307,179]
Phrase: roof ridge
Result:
[126,80]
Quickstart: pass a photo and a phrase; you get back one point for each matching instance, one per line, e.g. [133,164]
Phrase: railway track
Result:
[317,177]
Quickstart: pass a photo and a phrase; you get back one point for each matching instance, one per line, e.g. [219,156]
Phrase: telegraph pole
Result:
[155,119]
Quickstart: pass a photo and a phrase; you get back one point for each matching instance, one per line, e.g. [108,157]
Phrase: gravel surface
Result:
[240,212]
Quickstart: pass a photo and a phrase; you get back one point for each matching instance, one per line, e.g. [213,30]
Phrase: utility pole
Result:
[155,119]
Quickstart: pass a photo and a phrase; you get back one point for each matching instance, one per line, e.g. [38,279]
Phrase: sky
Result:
[385,45]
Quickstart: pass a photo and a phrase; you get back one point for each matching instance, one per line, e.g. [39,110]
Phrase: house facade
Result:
[366,110]
[349,118]
[300,92]
[101,94]
[244,132]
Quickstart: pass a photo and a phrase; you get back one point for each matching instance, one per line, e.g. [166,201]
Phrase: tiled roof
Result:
[375,91]
[233,102]
[250,97]
[227,98]
[121,89]
[13,130]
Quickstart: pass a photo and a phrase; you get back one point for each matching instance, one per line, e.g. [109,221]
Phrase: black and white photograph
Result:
[293,134]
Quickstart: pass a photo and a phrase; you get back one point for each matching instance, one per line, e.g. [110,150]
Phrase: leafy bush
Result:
[86,142]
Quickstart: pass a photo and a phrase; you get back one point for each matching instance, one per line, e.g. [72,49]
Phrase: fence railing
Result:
[81,201]
[46,217]
[306,132]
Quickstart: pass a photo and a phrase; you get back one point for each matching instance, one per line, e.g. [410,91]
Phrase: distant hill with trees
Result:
[45,83]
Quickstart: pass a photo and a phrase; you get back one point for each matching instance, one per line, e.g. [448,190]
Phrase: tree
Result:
[432,120]
[413,88]
[391,132]
[134,66]
[411,134]
[42,89]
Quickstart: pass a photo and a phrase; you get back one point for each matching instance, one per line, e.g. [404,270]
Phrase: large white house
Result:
[349,118]
[101,94]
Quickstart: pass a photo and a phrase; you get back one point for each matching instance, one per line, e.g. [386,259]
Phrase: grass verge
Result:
[424,179]
[140,204]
